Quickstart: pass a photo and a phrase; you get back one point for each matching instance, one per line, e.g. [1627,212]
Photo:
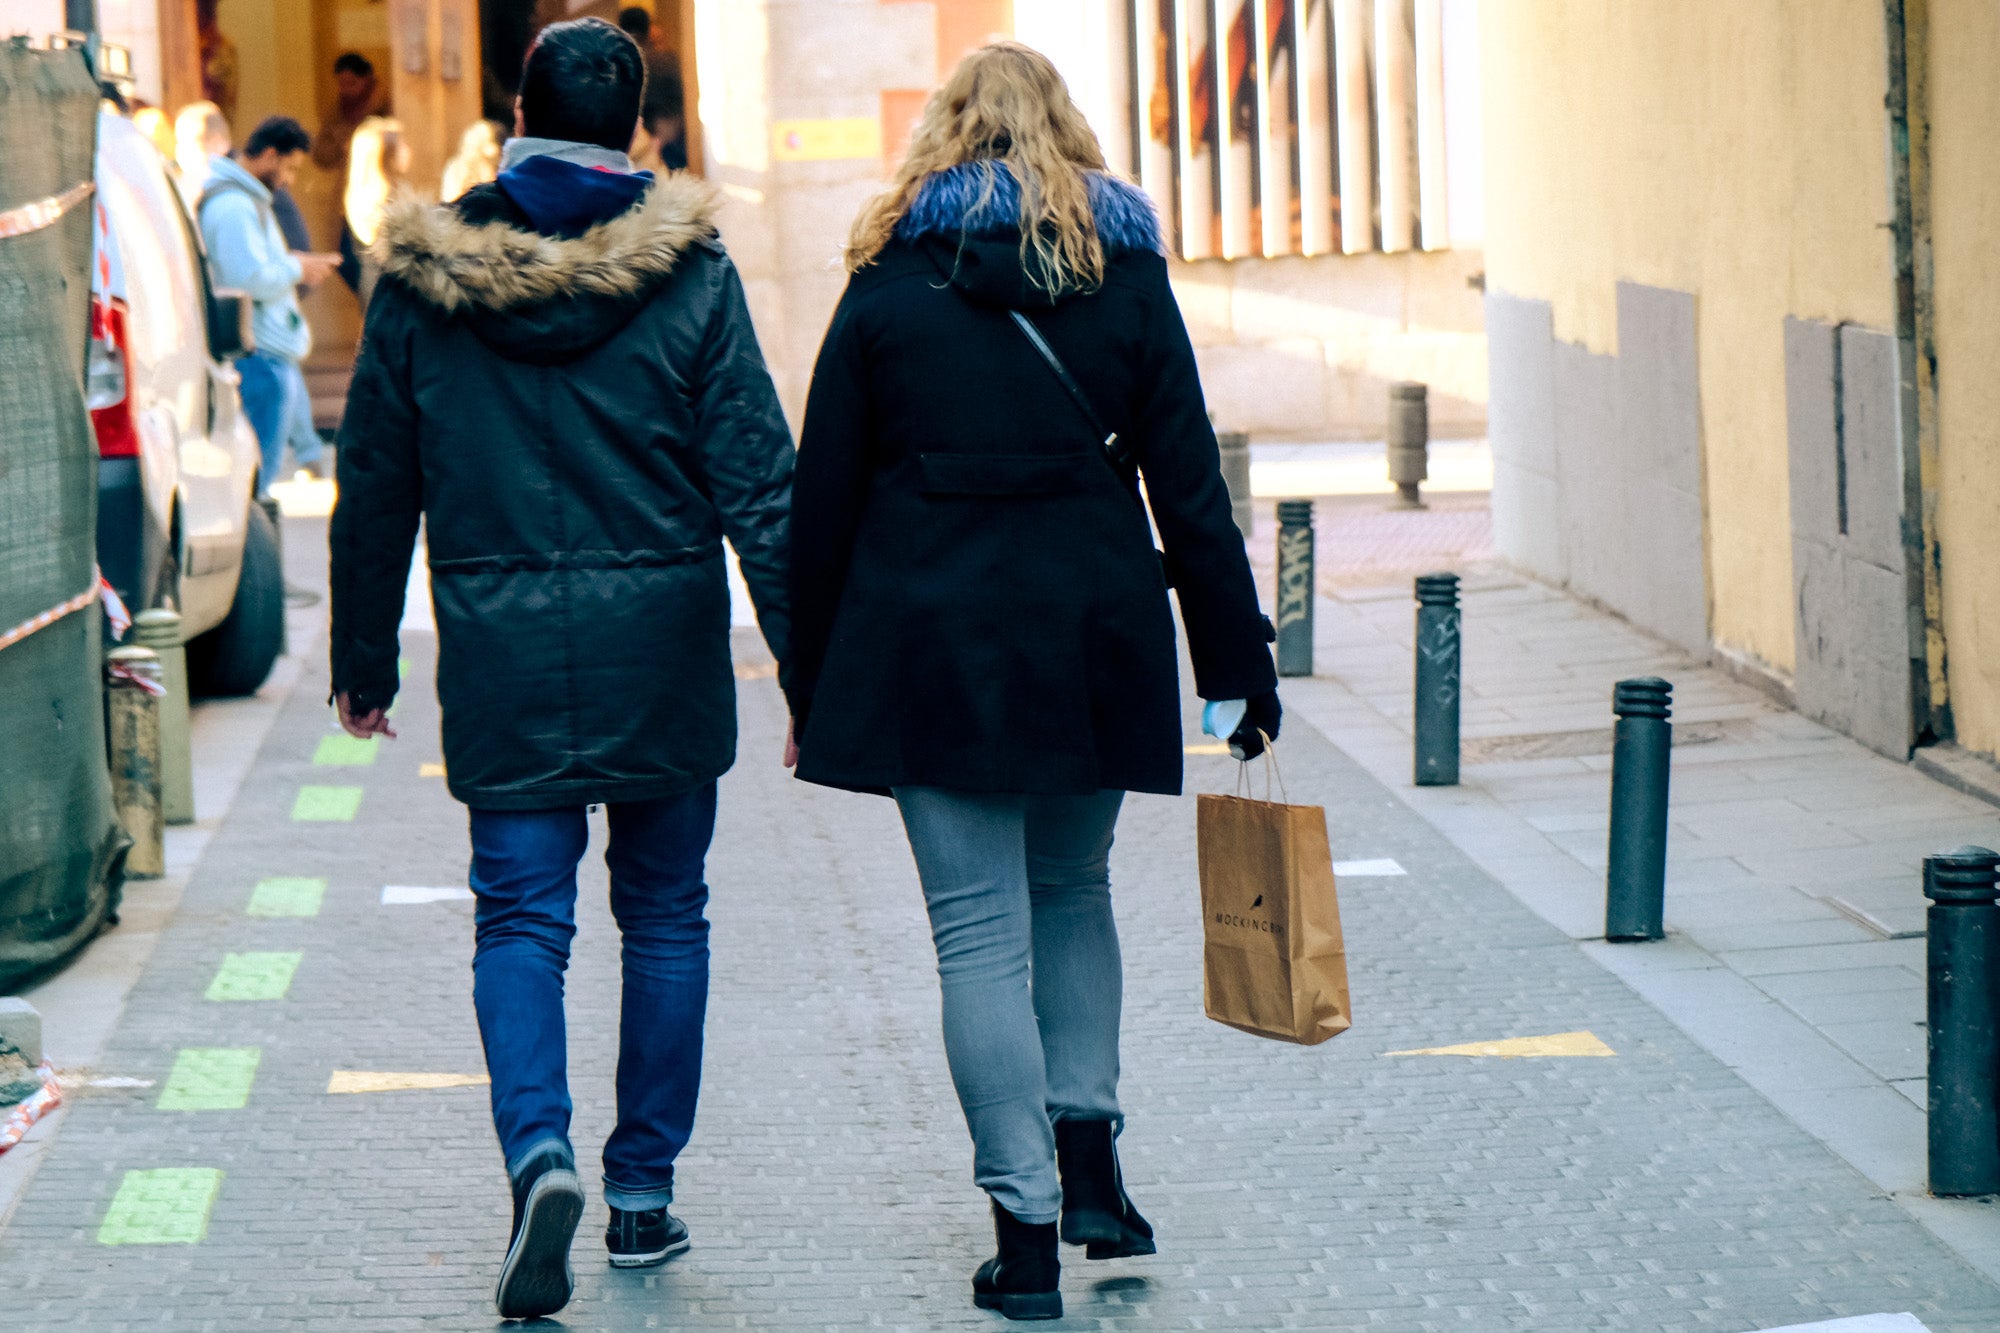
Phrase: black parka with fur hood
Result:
[579,421]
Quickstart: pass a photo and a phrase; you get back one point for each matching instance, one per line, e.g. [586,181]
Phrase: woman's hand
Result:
[791,747]
[1260,724]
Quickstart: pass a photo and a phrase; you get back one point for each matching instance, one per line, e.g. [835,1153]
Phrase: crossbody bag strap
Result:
[1114,448]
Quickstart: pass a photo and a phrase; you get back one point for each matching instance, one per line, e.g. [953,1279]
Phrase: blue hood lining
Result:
[564,199]
[948,204]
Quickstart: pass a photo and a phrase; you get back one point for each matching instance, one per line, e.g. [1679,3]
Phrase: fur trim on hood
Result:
[454,264]
[948,204]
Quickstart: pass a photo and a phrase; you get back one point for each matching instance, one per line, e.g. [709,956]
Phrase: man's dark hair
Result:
[353,62]
[279,132]
[637,23]
[583,81]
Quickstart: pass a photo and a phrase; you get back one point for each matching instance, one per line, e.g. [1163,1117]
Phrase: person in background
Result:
[247,252]
[201,133]
[661,141]
[378,161]
[559,380]
[159,130]
[982,624]
[476,162]
[308,449]
[357,96]
[661,144]
[220,73]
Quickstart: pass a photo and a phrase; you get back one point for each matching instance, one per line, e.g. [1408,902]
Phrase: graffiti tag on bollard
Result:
[1295,549]
[1295,588]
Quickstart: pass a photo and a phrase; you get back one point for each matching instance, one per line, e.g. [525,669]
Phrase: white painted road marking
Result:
[1382,866]
[410,895]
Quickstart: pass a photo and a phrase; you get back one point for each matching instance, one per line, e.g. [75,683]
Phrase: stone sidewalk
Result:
[1794,903]
[321,939]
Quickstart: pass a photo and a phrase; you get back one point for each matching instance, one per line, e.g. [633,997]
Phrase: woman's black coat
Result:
[977,599]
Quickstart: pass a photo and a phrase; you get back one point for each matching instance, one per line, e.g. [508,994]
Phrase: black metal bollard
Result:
[1234,446]
[1635,880]
[1409,441]
[1295,587]
[1964,1008]
[1437,680]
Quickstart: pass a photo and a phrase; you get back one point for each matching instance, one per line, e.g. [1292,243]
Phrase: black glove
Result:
[1260,713]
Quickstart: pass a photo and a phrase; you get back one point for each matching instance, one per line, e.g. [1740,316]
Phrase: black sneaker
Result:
[535,1278]
[642,1239]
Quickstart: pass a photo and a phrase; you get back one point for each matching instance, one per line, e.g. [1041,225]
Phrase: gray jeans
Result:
[1020,903]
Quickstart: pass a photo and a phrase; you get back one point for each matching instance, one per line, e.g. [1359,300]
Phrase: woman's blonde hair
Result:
[378,160]
[1005,103]
[476,162]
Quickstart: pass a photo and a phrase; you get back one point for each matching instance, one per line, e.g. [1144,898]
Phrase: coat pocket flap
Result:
[999,474]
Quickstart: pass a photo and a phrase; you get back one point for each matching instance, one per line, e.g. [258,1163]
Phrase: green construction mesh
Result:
[60,846]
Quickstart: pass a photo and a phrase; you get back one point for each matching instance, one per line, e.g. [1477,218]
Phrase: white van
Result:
[177,519]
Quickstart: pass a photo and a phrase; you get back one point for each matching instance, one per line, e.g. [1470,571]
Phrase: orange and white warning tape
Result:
[40,213]
[114,607]
[16,1126]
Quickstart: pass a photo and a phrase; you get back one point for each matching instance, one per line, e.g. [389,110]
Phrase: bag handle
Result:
[1270,768]
[1114,449]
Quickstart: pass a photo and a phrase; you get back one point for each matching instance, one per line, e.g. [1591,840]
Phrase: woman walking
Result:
[982,624]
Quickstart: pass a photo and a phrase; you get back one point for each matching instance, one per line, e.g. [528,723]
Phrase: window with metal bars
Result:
[1291,127]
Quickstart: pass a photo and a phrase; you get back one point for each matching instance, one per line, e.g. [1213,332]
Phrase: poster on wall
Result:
[451,45]
[413,30]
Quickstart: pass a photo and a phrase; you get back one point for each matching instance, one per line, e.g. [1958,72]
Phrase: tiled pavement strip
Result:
[827,1185]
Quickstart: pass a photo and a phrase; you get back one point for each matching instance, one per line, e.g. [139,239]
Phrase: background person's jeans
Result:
[524,875]
[269,383]
[300,432]
[1019,892]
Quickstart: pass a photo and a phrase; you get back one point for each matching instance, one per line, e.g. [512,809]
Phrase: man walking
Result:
[247,251]
[559,376]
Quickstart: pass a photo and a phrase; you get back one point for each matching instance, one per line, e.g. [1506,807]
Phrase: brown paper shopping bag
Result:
[1273,963]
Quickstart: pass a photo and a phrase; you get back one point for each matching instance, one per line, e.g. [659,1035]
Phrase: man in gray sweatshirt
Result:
[247,252]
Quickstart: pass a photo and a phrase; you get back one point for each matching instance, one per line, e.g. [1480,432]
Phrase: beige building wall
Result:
[789,89]
[1305,348]
[1289,348]
[1733,152]
[1965,213]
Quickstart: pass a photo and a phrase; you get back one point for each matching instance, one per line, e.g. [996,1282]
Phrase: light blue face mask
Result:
[1222,717]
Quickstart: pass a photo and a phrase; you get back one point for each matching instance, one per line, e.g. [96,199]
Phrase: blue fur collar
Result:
[948,204]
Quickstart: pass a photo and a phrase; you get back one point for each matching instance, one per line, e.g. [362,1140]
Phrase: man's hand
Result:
[315,268]
[791,747]
[374,722]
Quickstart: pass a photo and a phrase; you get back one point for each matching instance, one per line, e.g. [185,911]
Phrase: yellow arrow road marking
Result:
[359,1080]
[1524,1048]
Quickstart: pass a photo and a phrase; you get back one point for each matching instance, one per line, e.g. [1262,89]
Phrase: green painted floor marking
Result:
[287,895]
[327,805]
[402,667]
[253,976]
[345,751]
[165,1206]
[210,1078]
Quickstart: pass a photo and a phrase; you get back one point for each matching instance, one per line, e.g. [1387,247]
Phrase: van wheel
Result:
[236,656]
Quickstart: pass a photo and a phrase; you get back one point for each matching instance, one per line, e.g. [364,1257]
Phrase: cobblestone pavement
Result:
[828,1185]
[1793,904]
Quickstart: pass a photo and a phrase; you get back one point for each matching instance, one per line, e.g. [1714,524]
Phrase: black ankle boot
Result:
[1023,1281]
[1096,1214]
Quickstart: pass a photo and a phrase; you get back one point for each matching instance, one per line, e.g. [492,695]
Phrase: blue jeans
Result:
[300,432]
[1019,893]
[269,384]
[524,876]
